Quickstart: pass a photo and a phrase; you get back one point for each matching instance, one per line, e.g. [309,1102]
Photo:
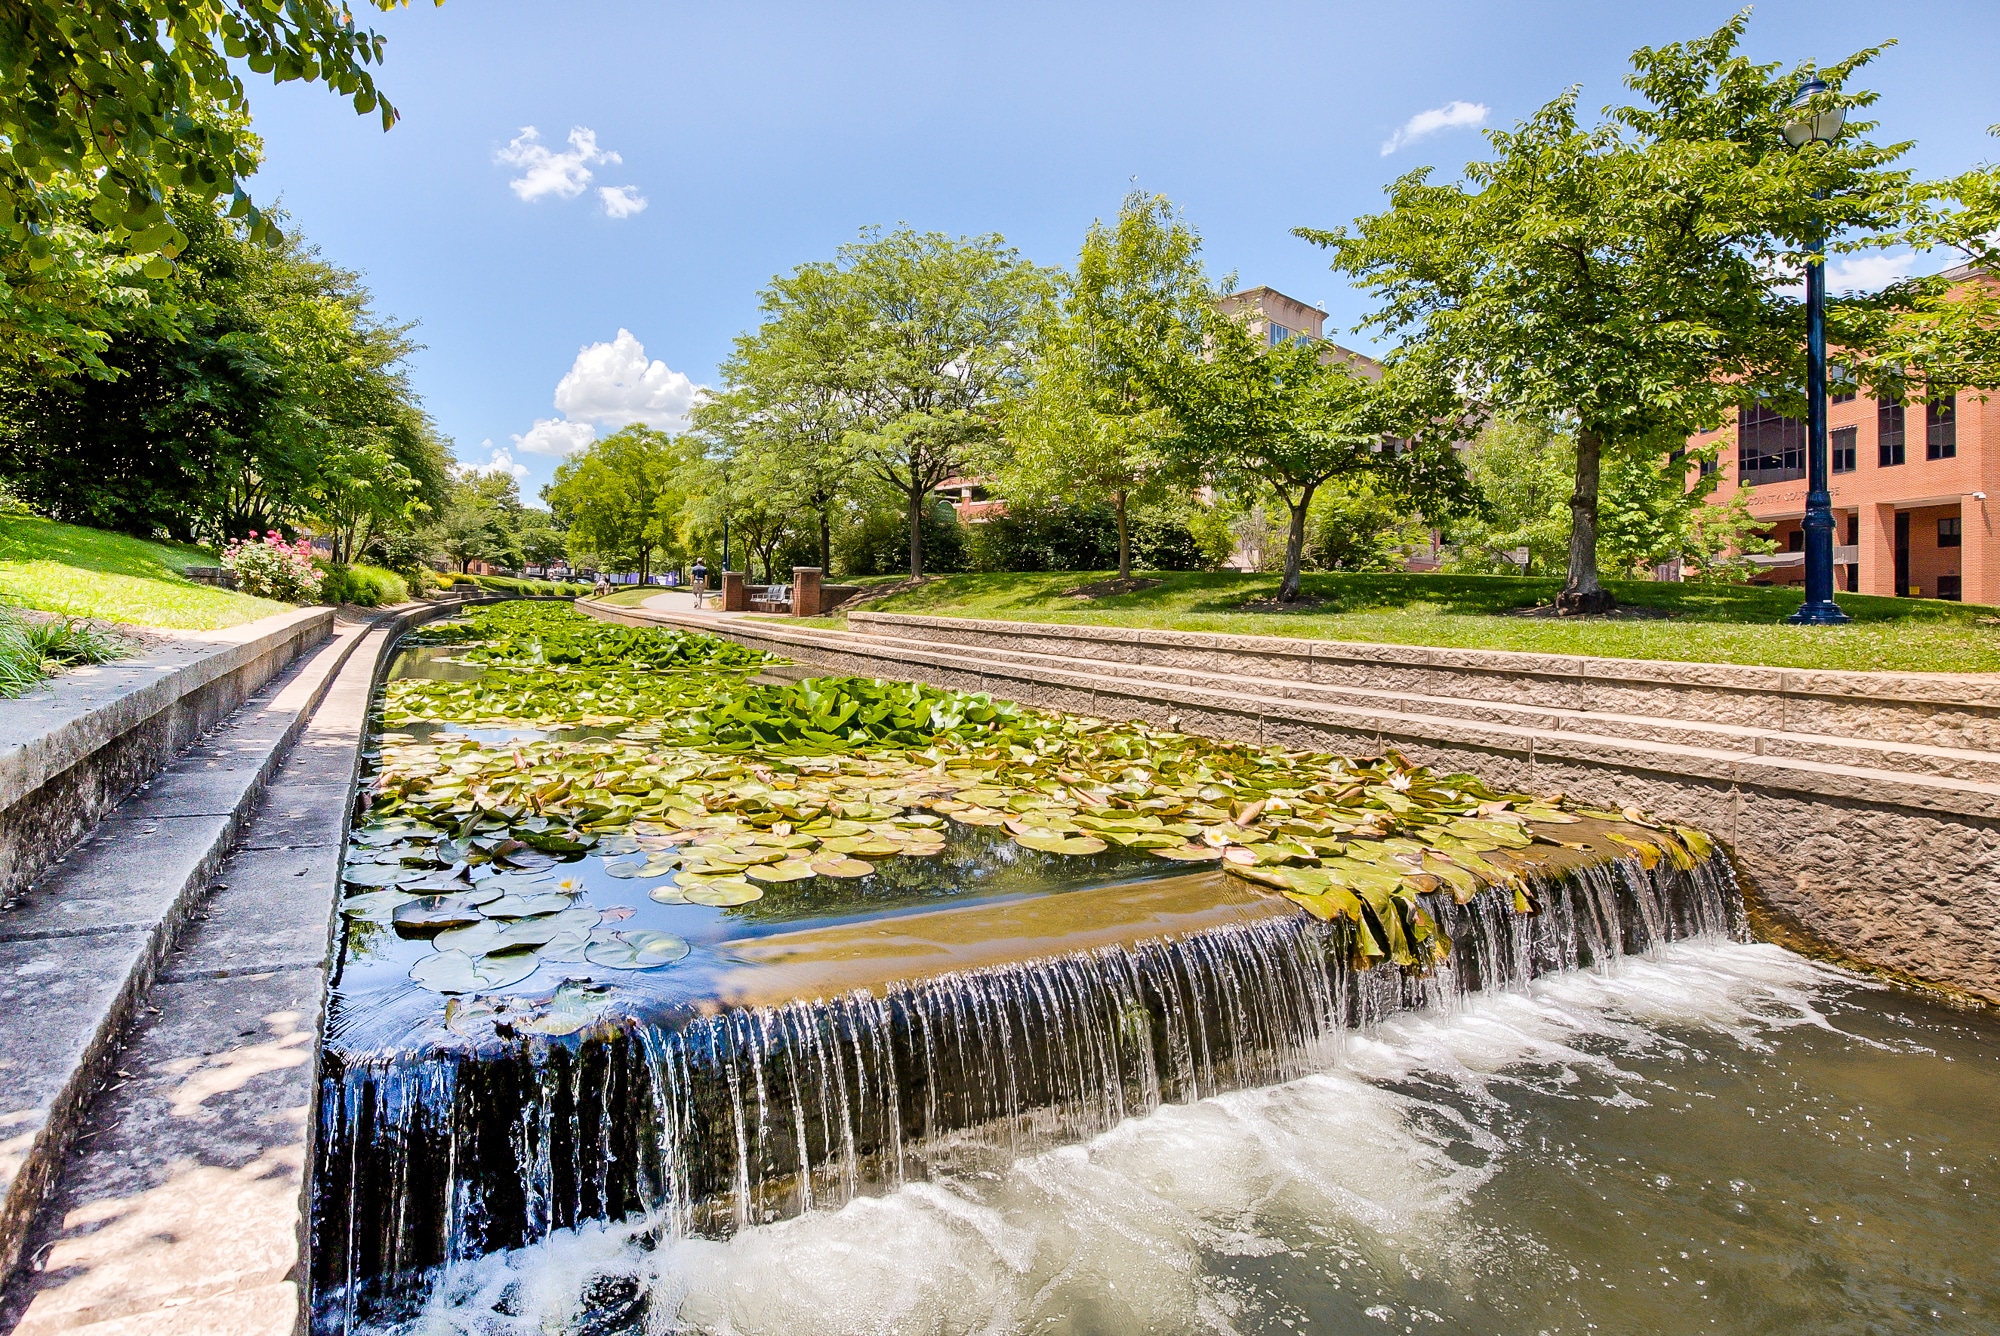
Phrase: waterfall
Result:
[708,1123]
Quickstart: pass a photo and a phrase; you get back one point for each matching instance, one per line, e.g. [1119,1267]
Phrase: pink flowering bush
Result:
[273,568]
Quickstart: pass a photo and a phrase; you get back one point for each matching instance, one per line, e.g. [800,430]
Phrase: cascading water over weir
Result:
[808,1050]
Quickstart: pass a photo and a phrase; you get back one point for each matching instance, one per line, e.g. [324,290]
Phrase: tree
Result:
[480,520]
[1523,473]
[1621,278]
[262,392]
[124,121]
[1288,418]
[622,497]
[919,336]
[1086,429]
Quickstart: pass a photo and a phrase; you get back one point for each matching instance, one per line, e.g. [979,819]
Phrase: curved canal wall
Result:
[1862,809]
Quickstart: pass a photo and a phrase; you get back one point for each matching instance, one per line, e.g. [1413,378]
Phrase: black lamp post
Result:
[1816,127]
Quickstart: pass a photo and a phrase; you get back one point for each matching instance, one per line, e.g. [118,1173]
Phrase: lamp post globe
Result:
[1811,124]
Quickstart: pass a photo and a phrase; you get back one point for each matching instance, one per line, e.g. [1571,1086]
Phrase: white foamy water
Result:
[1373,1191]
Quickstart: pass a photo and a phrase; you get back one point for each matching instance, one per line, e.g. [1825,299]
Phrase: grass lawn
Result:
[91,573]
[638,594]
[1705,623]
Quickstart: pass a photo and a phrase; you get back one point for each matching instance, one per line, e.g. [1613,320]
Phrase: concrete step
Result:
[80,948]
[1233,706]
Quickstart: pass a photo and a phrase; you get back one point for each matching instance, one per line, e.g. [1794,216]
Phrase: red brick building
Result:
[1910,483]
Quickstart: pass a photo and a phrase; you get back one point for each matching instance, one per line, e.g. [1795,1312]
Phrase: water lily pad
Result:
[526,906]
[1191,853]
[841,867]
[375,906]
[565,947]
[792,869]
[721,893]
[575,1004]
[373,874]
[667,893]
[635,949]
[457,972]
[428,915]
[1055,842]
[980,816]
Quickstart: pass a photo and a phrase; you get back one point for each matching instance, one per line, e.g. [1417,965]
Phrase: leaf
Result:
[721,893]
[375,906]
[1054,842]
[1191,853]
[792,869]
[373,874]
[634,949]
[457,972]
[841,867]
[574,1005]
[428,915]
[526,906]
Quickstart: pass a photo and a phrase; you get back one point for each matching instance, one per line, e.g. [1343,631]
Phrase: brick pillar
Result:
[1878,549]
[735,597]
[805,591]
[1979,555]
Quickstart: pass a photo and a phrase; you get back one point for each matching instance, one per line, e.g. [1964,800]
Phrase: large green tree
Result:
[623,497]
[1087,429]
[1283,420]
[1625,278]
[920,337]
[124,121]
[266,392]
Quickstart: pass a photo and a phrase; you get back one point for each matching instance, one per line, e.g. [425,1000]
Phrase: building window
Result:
[1842,444]
[1948,587]
[1949,533]
[1888,433]
[1279,333]
[1770,447]
[1795,541]
[1707,466]
[1840,383]
[1941,427]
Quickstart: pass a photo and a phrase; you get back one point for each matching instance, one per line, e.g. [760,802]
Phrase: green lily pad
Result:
[375,906]
[457,972]
[428,915]
[841,867]
[526,906]
[1190,853]
[792,869]
[1054,842]
[373,874]
[574,1005]
[720,893]
[637,949]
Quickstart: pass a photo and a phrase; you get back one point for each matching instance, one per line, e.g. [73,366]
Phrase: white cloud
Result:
[1869,272]
[1451,116]
[622,201]
[547,171]
[614,384]
[553,436]
[498,461]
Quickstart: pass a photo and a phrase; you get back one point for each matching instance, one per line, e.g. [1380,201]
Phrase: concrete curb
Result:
[76,747]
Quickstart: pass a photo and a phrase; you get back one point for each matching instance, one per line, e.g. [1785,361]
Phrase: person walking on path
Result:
[700,580]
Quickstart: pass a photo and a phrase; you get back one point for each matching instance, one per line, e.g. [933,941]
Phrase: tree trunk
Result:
[1583,596]
[916,535]
[1295,544]
[1124,540]
[825,544]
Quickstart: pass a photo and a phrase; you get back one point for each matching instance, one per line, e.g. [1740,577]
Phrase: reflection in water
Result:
[1724,1138]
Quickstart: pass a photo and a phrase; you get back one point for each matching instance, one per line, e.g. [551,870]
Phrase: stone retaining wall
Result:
[73,748]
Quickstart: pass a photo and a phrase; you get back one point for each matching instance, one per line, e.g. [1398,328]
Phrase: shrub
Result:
[361,585]
[273,568]
[1067,536]
[880,543]
[31,649]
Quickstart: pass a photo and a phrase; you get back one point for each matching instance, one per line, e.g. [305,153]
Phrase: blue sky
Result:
[751,138]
